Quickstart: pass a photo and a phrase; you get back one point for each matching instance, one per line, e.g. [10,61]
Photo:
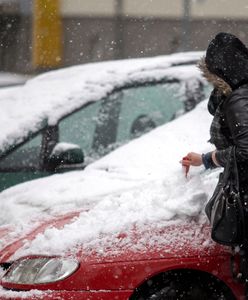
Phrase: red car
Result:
[160,265]
[135,227]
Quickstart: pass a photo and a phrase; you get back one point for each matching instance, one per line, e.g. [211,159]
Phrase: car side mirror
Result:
[65,154]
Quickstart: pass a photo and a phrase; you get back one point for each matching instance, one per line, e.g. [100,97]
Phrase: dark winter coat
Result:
[226,66]
[233,120]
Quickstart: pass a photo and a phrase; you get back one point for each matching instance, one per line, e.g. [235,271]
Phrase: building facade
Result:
[94,30]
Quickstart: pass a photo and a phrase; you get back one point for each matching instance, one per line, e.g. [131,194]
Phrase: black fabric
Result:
[235,116]
[215,99]
[227,57]
[208,161]
[225,209]
[219,132]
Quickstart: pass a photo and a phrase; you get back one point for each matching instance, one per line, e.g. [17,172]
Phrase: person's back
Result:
[226,67]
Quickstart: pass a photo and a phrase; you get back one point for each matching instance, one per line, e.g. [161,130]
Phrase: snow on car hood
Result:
[140,183]
[48,97]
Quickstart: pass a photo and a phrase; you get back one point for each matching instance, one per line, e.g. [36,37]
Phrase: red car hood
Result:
[15,243]
[5,235]
[153,243]
[188,239]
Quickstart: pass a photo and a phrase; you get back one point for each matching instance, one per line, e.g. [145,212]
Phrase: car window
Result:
[146,107]
[26,156]
[125,114]
[79,127]
[133,111]
[207,89]
[107,124]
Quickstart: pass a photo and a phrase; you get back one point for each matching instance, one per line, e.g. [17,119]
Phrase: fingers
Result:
[192,159]
[190,156]
[185,161]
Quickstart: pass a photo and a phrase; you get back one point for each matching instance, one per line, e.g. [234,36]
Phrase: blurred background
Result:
[39,35]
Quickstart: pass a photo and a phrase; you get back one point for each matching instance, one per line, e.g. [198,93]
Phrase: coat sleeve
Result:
[237,121]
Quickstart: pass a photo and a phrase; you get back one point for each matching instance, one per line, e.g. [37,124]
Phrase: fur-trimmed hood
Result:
[226,62]
[219,84]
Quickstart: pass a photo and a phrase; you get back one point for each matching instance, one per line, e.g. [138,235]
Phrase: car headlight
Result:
[40,270]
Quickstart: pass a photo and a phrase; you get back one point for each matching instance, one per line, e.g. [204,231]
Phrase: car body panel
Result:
[12,178]
[69,295]
[105,272]
[122,276]
[6,232]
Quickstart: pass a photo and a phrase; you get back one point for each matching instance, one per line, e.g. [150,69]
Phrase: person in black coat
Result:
[226,67]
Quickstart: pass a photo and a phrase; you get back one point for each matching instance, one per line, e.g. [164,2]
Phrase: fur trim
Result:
[217,82]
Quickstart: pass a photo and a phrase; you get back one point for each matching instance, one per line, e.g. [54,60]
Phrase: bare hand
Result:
[192,159]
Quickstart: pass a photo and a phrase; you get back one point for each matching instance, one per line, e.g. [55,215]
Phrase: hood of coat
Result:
[221,87]
[227,62]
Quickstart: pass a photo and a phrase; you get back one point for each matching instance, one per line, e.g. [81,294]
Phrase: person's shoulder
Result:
[238,99]
[241,91]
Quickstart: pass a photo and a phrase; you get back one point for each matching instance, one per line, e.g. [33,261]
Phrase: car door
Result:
[22,164]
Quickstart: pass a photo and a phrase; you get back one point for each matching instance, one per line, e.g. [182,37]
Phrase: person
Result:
[226,67]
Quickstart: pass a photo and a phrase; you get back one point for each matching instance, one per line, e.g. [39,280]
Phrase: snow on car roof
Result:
[141,182]
[48,97]
[11,79]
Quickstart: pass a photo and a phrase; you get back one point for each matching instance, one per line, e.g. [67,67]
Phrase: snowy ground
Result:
[139,183]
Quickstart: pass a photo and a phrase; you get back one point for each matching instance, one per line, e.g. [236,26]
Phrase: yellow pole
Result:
[47,34]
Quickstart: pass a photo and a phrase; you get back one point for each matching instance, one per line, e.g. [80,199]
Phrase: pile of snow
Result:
[50,96]
[141,182]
